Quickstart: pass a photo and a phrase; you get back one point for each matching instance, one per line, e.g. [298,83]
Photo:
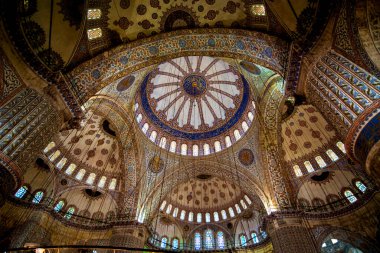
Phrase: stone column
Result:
[131,236]
[289,234]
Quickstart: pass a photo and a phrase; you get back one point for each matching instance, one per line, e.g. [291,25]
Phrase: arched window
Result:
[350,196]
[207,217]
[216,216]
[217,146]
[173,146]
[163,142]
[55,155]
[139,118]
[58,207]
[91,178]
[250,116]
[237,207]
[263,234]
[209,239]
[38,197]
[224,214]
[183,149]
[197,241]
[243,240]
[231,211]
[303,203]
[317,202]
[145,128]
[80,174]
[153,136]
[175,212]
[69,213]
[320,161]
[112,185]
[136,106]
[228,141]
[360,186]
[242,203]
[195,150]
[220,240]
[163,204]
[183,214]
[191,216]
[247,199]
[341,146]
[21,192]
[199,217]
[244,125]
[255,239]
[297,171]
[332,155]
[169,209]
[102,182]
[61,163]
[333,200]
[49,147]
[308,166]
[70,169]
[175,243]
[164,242]
[237,134]
[206,149]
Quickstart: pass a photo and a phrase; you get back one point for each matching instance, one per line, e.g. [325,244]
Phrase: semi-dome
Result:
[202,101]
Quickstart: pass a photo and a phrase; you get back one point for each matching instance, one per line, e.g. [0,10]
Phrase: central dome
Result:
[193,98]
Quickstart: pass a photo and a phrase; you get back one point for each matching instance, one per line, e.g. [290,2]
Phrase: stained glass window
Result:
[220,240]
[153,136]
[91,178]
[237,208]
[224,215]
[70,169]
[21,192]
[38,197]
[94,33]
[247,199]
[169,209]
[94,13]
[231,211]
[58,207]
[207,217]
[206,149]
[199,217]
[243,240]
[175,243]
[112,185]
[69,213]
[320,161]
[341,146]
[102,182]
[217,146]
[139,118]
[228,141]
[61,163]
[164,242]
[250,116]
[55,155]
[263,234]
[350,196]
[361,186]
[175,212]
[308,166]
[80,174]
[197,241]
[255,239]
[209,239]
[332,155]
[145,128]
[258,9]
[237,134]
[183,214]
[163,204]
[216,216]
[173,146]
[163,142]
[242,203]
[297,170]
[244,125]
[191,216]
[49,147]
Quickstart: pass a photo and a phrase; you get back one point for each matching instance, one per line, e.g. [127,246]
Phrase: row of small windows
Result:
[254,238]
[334,200]
[72,167]
[209,240]
[320,161]
[206,216]
[94,33]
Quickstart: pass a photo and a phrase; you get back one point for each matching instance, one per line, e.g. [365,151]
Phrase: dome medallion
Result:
[193,98]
